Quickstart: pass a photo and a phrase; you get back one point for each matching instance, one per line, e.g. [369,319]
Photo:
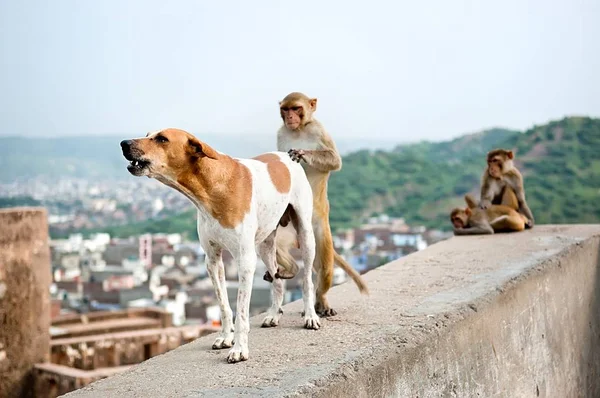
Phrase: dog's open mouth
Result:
[136,166]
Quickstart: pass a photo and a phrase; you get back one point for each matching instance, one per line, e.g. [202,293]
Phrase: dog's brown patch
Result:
[224,189]
[278,171]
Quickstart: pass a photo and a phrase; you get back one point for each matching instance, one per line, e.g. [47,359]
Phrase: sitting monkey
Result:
[502,183]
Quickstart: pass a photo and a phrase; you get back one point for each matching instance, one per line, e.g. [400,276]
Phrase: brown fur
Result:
[509,198]
[499,175]
[222,184]
[296,111]
[280,174]
[496,218]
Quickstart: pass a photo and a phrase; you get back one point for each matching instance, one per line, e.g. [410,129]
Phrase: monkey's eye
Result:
[161,139]
[296,108]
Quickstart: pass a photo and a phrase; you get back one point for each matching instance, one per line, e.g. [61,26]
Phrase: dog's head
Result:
[165,154]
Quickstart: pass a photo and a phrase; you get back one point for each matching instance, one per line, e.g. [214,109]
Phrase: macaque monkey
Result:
[495,218]
[499,175]
[307,142]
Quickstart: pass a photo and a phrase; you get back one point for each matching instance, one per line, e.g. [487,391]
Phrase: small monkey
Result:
[500,174]
[495,218]
[307,142]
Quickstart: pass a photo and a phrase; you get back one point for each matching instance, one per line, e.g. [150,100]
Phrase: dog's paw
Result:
[223,342]
[312,322]
[272,318]
[270,321]
[237,355]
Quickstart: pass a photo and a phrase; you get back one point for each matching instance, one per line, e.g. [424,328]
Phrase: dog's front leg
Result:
[216,271]
[246,260]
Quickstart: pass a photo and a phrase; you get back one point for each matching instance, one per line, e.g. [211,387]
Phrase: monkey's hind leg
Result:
[509,198]
[508,223]
[516,222]
[499,221]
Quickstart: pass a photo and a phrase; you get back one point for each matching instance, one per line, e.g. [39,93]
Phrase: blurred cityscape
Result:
[118,301]
[81,203]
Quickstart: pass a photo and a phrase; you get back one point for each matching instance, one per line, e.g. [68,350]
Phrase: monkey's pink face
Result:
[292,116]
[457,221]
[495,168]
[460,217]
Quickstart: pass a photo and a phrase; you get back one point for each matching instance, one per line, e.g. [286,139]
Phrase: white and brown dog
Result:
[240,203]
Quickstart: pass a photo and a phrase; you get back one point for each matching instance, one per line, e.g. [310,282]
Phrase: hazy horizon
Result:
[401,72]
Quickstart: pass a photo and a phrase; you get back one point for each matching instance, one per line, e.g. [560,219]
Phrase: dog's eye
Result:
[161,139]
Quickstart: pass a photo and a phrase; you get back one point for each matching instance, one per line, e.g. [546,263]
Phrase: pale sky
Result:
[403,70]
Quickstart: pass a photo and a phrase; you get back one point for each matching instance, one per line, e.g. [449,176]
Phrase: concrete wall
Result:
[508,315]
[539,337]
[24,297]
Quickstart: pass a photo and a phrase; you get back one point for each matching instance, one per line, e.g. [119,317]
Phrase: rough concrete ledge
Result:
[504,315]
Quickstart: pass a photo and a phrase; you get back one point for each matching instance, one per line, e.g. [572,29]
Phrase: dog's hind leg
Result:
[306,237]
[246,261]
[266,250]
[216,271]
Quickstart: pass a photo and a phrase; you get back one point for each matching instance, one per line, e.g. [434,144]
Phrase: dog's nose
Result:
[125,144]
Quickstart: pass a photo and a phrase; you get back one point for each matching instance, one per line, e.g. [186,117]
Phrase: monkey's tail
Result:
[288,266]
[360,283]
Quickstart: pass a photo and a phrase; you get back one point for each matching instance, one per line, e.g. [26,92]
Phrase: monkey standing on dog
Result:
[494,218]
[308,143]
[499,178]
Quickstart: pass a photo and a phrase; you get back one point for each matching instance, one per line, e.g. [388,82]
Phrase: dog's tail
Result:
[360,283]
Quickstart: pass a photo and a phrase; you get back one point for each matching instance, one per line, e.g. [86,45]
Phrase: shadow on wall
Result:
[589,365]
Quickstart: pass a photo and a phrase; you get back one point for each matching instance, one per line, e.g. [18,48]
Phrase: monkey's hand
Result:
[529,224]
[297,155]
[484,204]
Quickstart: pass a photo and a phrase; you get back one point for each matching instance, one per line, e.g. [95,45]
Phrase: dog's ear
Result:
[199,149]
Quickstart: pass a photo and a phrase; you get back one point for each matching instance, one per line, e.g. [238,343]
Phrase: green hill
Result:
[412,181]
[422,182]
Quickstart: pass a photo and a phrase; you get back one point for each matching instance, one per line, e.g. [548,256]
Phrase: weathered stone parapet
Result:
[24,297]
[506,315]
